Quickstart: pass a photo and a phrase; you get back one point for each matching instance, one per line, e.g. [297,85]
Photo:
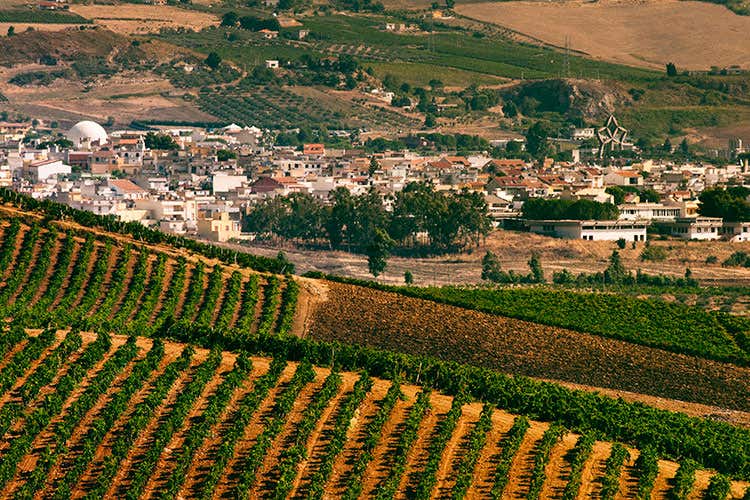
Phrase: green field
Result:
[43,16]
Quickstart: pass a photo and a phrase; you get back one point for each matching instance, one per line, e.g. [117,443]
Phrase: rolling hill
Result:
[143,365]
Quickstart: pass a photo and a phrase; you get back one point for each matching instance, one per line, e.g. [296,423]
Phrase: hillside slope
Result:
[389,321]
[57,274]
[173,420]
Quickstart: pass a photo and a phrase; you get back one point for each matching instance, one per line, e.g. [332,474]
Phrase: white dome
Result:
[87,132]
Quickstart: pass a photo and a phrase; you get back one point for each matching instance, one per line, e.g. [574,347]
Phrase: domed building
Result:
[85,133]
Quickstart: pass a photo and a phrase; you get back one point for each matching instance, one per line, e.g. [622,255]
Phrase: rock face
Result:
[576,99]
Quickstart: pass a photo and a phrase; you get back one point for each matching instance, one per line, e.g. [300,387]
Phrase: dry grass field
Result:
[135,19]
[649,33]
[124,97]
[514,249]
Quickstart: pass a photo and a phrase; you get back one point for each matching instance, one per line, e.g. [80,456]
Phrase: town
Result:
[199,182]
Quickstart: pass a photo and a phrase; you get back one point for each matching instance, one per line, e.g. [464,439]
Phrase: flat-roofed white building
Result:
[591,230]
[697,228]
[648,211]
[40,171]
[736,231]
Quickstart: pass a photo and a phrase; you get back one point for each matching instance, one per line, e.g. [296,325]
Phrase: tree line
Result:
[419,221]
[543,209]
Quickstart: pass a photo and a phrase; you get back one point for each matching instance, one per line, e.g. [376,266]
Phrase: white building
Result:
[591,230]
[224,183]
[582,134]
[86,134]
[649,211]
[736,231]
[40,171]
[697,228]
[623,178]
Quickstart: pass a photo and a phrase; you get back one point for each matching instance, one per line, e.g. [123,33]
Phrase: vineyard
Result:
[128,417]
[53,276]
[390,321]
[277,107]
[135,364]
[650,322]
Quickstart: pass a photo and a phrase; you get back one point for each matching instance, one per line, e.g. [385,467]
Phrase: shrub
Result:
[737,259]
[654,253]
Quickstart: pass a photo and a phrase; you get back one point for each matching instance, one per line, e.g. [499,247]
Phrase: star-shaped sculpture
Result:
[611,136]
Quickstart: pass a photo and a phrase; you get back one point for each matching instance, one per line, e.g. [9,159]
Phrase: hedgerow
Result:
[510,446]
[338,435]
[580,454]
[647,467]
[543,450]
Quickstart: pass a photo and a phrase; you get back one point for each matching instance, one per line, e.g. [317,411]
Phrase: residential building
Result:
[591,230]
[697,228]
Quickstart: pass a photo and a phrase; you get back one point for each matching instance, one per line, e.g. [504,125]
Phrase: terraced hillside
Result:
[126,417]
[55,275]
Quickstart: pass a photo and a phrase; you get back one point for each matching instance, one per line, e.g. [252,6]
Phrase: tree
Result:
[491,270]
[11,31]
[539,209]
[615,272]
[160,141]
[510,110]
[450,3]
[378,252]
[230,19]
[340,215]
[225,155]
[537,273]
[671,69]
[730,204]
[429,121]
[685,147]
[513,148]
[213,60]
[617,192]
[667,146]
[408,278]
[435,84]
[536,140]
[373,166]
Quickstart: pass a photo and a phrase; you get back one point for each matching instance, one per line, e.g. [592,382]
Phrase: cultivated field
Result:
[56,276]
[389,321]
[131,18]
[105,415]
[699,35]
[153,419]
